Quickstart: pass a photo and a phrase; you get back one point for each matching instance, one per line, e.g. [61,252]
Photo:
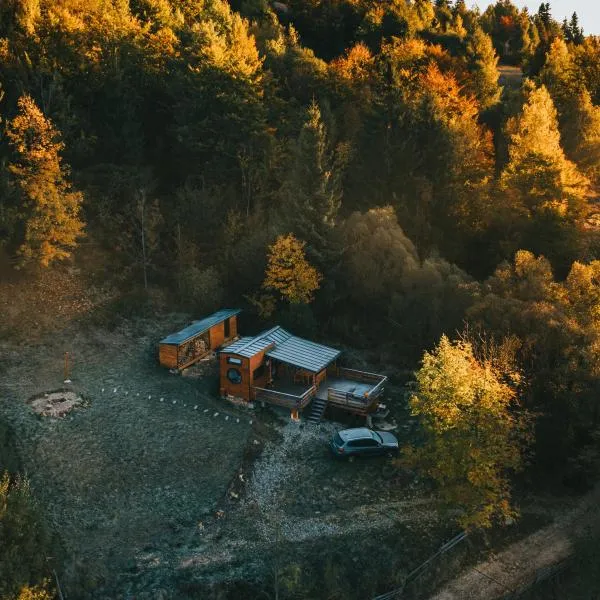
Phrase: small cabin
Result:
[184,348]
[283,369]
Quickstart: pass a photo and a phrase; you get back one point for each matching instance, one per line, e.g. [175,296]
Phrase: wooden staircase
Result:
[317,408]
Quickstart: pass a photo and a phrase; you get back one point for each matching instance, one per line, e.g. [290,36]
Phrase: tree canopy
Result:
[474,434]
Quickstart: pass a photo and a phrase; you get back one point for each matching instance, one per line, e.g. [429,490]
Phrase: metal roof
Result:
[250,346]
[304,354]
[201,326]
[237,345]
[287,348]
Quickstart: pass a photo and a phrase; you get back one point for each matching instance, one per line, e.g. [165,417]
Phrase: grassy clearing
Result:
[129,473]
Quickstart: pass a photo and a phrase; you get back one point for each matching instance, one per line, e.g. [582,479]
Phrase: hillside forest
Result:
[399,177]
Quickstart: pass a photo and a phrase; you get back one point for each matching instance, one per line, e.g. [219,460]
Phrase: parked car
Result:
[362,441]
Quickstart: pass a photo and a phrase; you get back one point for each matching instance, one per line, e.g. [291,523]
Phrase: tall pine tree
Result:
[312,192]
[482,63]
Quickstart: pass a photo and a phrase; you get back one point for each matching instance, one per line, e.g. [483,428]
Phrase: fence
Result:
[397,593]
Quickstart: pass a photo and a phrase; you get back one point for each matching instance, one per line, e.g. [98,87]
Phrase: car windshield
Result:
[377,437]
[337,440]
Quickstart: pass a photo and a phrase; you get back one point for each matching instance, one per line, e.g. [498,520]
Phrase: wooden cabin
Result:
[184,348]
[280,368]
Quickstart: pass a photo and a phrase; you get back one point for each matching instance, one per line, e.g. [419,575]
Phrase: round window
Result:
[234,376]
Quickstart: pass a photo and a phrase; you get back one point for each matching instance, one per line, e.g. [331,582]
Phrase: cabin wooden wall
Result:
[217,333]
[255,362]
[247,368]
[233,327]
[227,387]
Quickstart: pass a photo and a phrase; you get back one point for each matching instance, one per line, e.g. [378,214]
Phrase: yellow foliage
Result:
[538,176]
[36,592]
[50,208]
[474,435]
[356,65]
[289,273]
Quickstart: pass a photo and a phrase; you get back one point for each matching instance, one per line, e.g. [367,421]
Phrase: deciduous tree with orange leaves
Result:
[46,208]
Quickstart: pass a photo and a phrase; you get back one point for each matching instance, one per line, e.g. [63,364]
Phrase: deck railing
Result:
[356,375]
[353,401]
[358,403]
[282,399]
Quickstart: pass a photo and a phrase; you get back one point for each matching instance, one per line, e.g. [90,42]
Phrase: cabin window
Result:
[227,328]
[259,372]
[234,361]
[234,376]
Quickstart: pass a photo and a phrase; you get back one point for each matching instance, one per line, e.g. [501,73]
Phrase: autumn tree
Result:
[464,146]
[509,30]
[546,195]
[581,133]
[20,13]
[45,208]
[578,117]
[288,272]
[557,323]
[587,59]
[218,124]
[559,76]
[475,435]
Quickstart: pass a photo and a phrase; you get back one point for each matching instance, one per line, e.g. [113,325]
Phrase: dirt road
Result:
[520,564]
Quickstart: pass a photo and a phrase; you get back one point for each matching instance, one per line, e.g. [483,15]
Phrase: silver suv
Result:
[363,441]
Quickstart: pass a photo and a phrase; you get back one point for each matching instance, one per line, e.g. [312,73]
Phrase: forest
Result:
[357,170]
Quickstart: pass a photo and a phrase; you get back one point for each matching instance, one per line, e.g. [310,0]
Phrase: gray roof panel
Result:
[198,327]
[304,354]
[287,348]
[250,346]
[237,345]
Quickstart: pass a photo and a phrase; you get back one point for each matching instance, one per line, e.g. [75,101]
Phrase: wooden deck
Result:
[287,394]
[346,386]
[357,392]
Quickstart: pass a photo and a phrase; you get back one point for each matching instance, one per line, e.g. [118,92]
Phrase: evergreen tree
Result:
[312,192]
[45,208]
[544,14]
[573,32]
[482,63]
